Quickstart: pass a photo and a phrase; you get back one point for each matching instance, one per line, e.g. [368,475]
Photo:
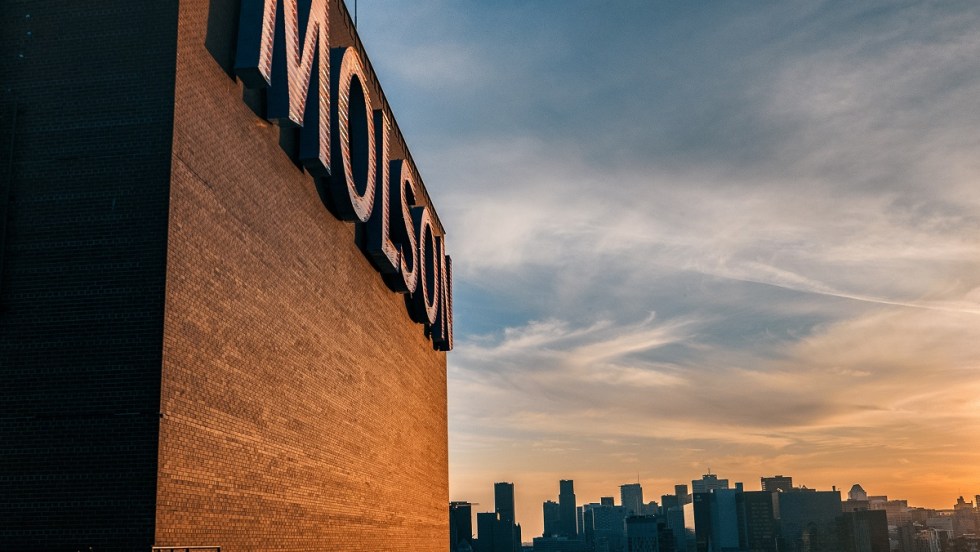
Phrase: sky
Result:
[737,236]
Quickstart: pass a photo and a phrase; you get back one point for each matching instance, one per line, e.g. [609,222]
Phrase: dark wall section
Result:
[85,174]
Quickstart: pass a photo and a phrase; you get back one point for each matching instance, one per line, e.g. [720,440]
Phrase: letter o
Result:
[353,181]
[425,300]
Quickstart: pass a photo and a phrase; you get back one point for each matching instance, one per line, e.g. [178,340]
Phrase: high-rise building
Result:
[566,505]
[460,524]
[777,483]
[807,519]
[703,504]
[732,519]
[631,497]
[708,483]
[486,529]
[605,526]
[758,527]
[642,534]
[495,534]
[607,501]
[552,516]
[503,501]
[863,531]
[713,514]
[683,497]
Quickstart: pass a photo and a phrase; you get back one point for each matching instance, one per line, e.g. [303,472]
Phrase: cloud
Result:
[792,189]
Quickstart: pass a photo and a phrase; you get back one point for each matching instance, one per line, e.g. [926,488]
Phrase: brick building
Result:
[194,349]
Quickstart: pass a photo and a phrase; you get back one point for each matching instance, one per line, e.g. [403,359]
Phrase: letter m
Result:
[283,45]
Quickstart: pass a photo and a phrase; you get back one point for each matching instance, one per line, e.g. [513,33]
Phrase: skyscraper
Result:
[807,519]
[486,523]
[503,501]
[865,531]
[605,526]
[460,524]
[777,483]
[551,517]
[702,521]
[758,531]
[708,483]
[680,491]
[642,534]
[631,496]
[566,506]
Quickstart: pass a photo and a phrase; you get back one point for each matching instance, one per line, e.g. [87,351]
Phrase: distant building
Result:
[703,505]
[641,534]
[607,501]
[964,518]
[708,483]
[916,538]
[777,483]
[758,526]
[605,527]
[503,501]
[857,492]
[672,512]
[716,520]
[460,525]
[648,534]
[495,534]
[857,500]
[631,497]
[566,506]
[897,511]
[863,531]
[724,520]
[680,491]
[808,519]
[551,518]
[486,526]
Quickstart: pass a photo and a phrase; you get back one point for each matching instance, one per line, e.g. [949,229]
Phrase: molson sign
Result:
[283,48]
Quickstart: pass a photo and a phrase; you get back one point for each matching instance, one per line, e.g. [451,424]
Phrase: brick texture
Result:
[302,408]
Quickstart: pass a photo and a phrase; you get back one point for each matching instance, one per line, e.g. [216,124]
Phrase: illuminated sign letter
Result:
[353,181]
[269,56]
[425,300]
[442,332]
[381,250]
[403,198]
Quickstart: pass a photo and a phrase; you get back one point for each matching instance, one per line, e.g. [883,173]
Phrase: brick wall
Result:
[302,408]
[84,207]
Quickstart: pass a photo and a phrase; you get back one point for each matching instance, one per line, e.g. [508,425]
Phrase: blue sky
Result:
[736,235]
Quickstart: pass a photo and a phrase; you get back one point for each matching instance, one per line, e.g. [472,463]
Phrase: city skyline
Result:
[701,235]
[608,494]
